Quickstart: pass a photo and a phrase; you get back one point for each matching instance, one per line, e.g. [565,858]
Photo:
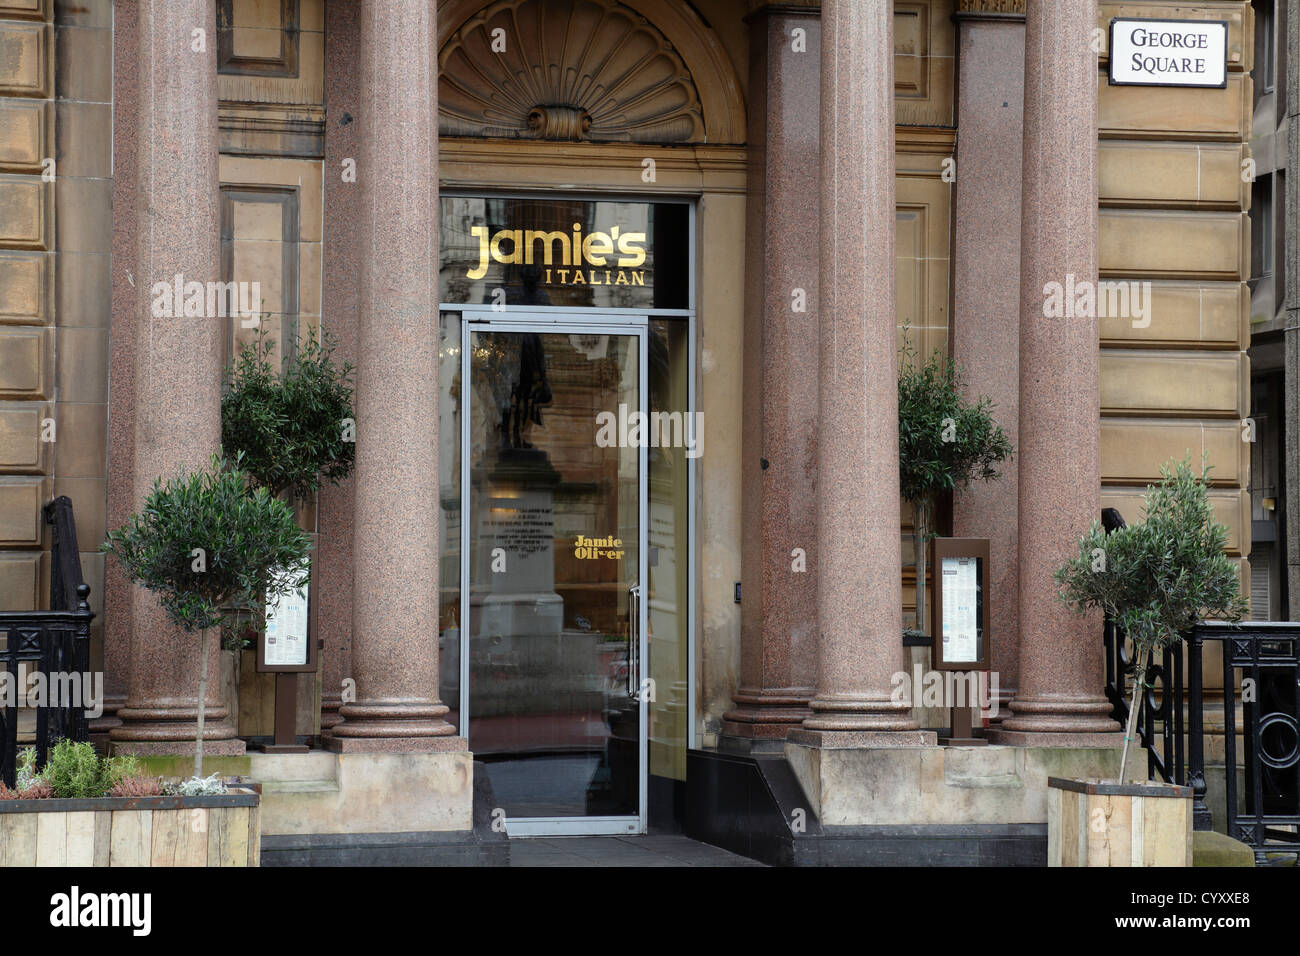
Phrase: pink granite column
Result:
[1060,697]
[395,543]
[177,368]
[859,579]
[778,617]
[342,211]
[986,295]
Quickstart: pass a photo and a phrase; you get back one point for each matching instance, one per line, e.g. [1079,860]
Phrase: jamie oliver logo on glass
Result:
[1169,52]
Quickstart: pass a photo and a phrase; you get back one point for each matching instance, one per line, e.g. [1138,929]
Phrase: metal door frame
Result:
[582,323]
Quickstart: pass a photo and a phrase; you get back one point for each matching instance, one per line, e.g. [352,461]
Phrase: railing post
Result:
[1196,734]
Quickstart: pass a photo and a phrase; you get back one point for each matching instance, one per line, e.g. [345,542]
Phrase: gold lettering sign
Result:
[594,549]
[613,255]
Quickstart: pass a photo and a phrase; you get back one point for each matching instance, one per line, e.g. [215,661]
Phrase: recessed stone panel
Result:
[24,288]
[24,218]
[24,135]
[23,580]
[1182,384]
[1204,175]
[21,448]
[1173,244]
[1162,112]
[1132,450]
[25,9]
[1183,315]
[24,59]
[21,499]
[24,362]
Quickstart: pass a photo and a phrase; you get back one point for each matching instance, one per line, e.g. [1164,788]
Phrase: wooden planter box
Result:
[1090,823]
[132,831]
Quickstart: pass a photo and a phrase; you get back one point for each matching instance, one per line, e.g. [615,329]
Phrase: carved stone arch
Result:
[644,71]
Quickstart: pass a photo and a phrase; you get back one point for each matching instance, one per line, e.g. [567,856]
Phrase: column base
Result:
[767,715]
[863,739]
[176,730]
[392,727]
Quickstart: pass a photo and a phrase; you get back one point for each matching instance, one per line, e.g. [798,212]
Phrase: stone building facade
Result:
[815,183]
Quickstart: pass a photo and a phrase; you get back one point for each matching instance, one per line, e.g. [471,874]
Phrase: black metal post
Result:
[1196,735]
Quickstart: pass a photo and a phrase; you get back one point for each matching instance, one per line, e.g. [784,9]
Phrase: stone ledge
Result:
[1217,849]
[928,786]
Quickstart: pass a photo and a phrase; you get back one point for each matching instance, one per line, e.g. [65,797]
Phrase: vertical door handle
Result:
[634,640]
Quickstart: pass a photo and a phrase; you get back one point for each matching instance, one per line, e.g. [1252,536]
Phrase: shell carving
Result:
[575,70]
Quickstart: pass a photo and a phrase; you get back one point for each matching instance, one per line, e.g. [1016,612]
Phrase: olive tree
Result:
[944,443]
[210,546]
[292,426]
[1157,578]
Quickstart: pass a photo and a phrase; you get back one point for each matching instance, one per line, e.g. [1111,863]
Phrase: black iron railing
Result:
[45,655]
[1263,659]
[1261,675]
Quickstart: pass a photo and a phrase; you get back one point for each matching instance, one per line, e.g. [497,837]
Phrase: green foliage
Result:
[1159,577]
[943,440]
[26,774]
[289,425]
[210,546]
[75,771]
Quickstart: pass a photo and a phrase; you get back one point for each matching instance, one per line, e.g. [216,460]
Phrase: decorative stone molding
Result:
[991,6]
[587,70]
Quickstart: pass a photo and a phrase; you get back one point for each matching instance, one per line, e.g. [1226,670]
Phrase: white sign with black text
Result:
[1168,52]
[286,630]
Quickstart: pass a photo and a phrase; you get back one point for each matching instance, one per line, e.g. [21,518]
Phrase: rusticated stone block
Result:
[25,59]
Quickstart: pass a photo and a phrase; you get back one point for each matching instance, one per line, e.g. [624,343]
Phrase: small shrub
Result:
[137,785]
[75,771]
[40,790]
[196,787]
[27,774]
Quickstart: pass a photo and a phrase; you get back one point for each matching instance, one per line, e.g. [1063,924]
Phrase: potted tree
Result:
[204,543]
[291,423]
[211,548]
[1154,580]
[944,443]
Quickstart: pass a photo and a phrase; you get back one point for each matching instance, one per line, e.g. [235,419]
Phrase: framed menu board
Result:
[959,608]
[286,646]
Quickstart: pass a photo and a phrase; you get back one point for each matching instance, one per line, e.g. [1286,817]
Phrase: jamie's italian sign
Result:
[1168,52]
[561,252]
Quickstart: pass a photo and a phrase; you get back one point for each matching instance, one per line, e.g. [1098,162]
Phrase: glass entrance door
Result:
[553,553]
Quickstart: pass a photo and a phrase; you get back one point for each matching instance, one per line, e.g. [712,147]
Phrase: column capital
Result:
[967,8]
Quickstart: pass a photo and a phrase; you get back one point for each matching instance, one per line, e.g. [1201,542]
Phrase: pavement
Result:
[630,851]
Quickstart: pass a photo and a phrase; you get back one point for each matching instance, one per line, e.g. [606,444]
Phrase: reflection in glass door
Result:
[553,551]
